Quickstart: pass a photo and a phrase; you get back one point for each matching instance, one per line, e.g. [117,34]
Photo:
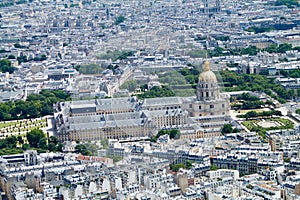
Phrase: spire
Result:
[206,65]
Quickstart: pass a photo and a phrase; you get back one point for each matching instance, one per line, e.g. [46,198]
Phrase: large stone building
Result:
[200,116]
[209,101]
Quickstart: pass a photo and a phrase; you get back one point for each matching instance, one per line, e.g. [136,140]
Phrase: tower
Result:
[207,88]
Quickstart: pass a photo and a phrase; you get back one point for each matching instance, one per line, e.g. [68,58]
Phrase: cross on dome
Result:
[206,65]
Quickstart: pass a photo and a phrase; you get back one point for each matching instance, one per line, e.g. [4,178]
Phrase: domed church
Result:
[209,101]
[200,116]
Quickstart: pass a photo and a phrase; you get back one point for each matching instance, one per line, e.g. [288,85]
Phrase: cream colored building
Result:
[196,117]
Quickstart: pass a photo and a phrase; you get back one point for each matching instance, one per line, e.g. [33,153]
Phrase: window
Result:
[223,105]
[199,107]
[207,94]
[191,106]
[211,106]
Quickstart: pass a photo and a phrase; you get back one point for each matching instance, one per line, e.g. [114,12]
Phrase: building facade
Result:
[118,118]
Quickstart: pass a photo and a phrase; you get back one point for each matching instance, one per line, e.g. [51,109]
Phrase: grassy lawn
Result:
[287,123]
[250,123]
[184,93]
[7,151]
[8,124]
[22,125]
[253,125]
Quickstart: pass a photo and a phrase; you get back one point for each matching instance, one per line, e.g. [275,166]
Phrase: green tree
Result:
[227,128]
[251,50]
[119,20]
[34,137]
[11,57]
[273,48]
[43,143]
[20,139]
[60,147]
[89,69]
[284,48]
[288,3]
[235,130]
[53,140]
[52,147]
[82,150]
[5,66]
[130,85]
[261,29]
[22,59]
[36,105]
[12,141]
[176,167]
[188,164]
[25,147]
[251,114]
[222,38]
[247,97]
[174,134]
[104,143]
[43,57]
[157,92]
[17,45]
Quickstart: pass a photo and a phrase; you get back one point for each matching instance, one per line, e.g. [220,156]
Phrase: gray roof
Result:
[162,101]
[107,120]
[116,104]
[113,104]
[104,124]
[170,112]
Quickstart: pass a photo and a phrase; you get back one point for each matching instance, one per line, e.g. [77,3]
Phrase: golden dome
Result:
[207,75]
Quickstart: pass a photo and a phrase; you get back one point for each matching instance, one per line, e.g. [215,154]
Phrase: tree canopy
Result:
[86,149]
[173,133]
[157,92]
[36,138]
[89,69]
[288,3]
[227,128]
[254,114]
[255,82]
[130,85]
[120,19]
[282,48]
[116,55]
[5,66]
[36,105]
